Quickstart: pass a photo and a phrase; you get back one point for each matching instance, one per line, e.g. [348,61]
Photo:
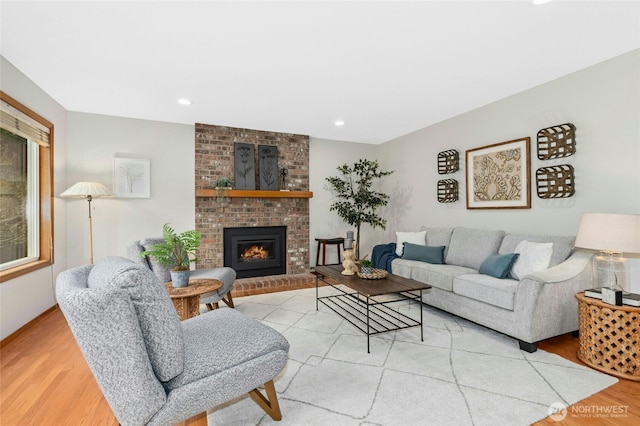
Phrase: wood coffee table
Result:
[366,303]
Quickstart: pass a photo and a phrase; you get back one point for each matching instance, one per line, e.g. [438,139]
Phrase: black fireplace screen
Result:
[256,251]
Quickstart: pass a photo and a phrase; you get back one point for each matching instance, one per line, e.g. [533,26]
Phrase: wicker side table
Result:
[609,337]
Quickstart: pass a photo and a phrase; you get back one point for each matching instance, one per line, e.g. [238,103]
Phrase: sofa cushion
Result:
[534,257]
[439,237]
[562,245]
[498,265]
[470,247]
[158,319]
[211,349]
[487,289]
[427,254]
[440,276]
[409,237]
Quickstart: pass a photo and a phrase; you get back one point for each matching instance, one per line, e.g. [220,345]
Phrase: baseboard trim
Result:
[28,326]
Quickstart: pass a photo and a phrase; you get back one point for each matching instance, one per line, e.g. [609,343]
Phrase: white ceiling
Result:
[385,68]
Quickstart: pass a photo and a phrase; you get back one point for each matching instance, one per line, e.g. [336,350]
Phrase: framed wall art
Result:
[131,177]
[498,176]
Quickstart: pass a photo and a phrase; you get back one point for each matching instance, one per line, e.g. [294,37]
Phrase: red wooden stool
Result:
[338,242]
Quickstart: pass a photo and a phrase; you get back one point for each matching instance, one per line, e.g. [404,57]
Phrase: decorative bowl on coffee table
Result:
[372,273]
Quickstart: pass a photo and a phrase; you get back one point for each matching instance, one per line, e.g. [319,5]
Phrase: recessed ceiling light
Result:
[539,2]
[184,101]
[339,123]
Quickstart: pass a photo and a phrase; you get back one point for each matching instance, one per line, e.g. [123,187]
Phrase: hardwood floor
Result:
[623,396]
[44,380]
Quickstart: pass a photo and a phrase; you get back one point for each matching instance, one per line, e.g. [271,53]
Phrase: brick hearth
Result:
[272,283]
[214,160]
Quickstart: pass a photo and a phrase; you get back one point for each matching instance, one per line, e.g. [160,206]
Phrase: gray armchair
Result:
[154,369]
[226,275]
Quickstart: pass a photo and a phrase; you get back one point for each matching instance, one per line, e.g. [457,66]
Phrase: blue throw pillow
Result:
[498,265]
[429,254]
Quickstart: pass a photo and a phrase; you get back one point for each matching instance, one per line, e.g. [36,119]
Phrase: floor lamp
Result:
[88,190]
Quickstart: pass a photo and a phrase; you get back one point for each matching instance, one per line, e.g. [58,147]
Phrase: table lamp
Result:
[88,190]
[611,235]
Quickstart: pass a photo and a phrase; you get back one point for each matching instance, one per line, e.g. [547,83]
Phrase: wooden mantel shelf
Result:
[246,193]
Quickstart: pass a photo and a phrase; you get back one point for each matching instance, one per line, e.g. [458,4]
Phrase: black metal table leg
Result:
[419,307]
[368,330]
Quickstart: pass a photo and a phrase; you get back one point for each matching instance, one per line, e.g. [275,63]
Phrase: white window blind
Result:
[21,124]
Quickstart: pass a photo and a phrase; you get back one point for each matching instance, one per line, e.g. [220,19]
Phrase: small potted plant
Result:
[223,183]
[366,267]
[176,253]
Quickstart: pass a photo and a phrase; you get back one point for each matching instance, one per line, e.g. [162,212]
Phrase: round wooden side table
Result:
[609,337]
[186,300]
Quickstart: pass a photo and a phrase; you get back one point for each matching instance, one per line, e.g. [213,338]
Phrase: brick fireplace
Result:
[214,213]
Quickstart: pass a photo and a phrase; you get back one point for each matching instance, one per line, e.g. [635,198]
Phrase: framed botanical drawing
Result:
[131,177]
[498,176]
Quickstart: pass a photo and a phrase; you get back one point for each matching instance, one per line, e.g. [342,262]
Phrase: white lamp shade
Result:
[609,232]
[86,189]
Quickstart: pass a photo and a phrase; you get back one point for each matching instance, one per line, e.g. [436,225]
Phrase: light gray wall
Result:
[26,297]
[602,101]
[324,158]
[93,142]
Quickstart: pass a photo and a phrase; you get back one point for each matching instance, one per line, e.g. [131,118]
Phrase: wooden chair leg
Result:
[228,299]
[270,403]
[197,420]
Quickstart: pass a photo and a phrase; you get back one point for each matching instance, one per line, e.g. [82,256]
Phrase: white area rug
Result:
[462,374]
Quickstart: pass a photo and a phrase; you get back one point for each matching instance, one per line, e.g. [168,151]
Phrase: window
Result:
[26,188]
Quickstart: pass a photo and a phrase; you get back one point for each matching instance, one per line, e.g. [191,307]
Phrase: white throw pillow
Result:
[409,237]
[533,257]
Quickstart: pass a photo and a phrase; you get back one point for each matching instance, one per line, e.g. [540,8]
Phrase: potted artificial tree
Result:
[357,201]
[176,253]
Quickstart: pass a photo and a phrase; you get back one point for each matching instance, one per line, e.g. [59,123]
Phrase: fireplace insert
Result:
[256,250]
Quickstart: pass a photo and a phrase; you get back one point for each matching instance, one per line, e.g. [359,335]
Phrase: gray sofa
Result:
[535,307]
